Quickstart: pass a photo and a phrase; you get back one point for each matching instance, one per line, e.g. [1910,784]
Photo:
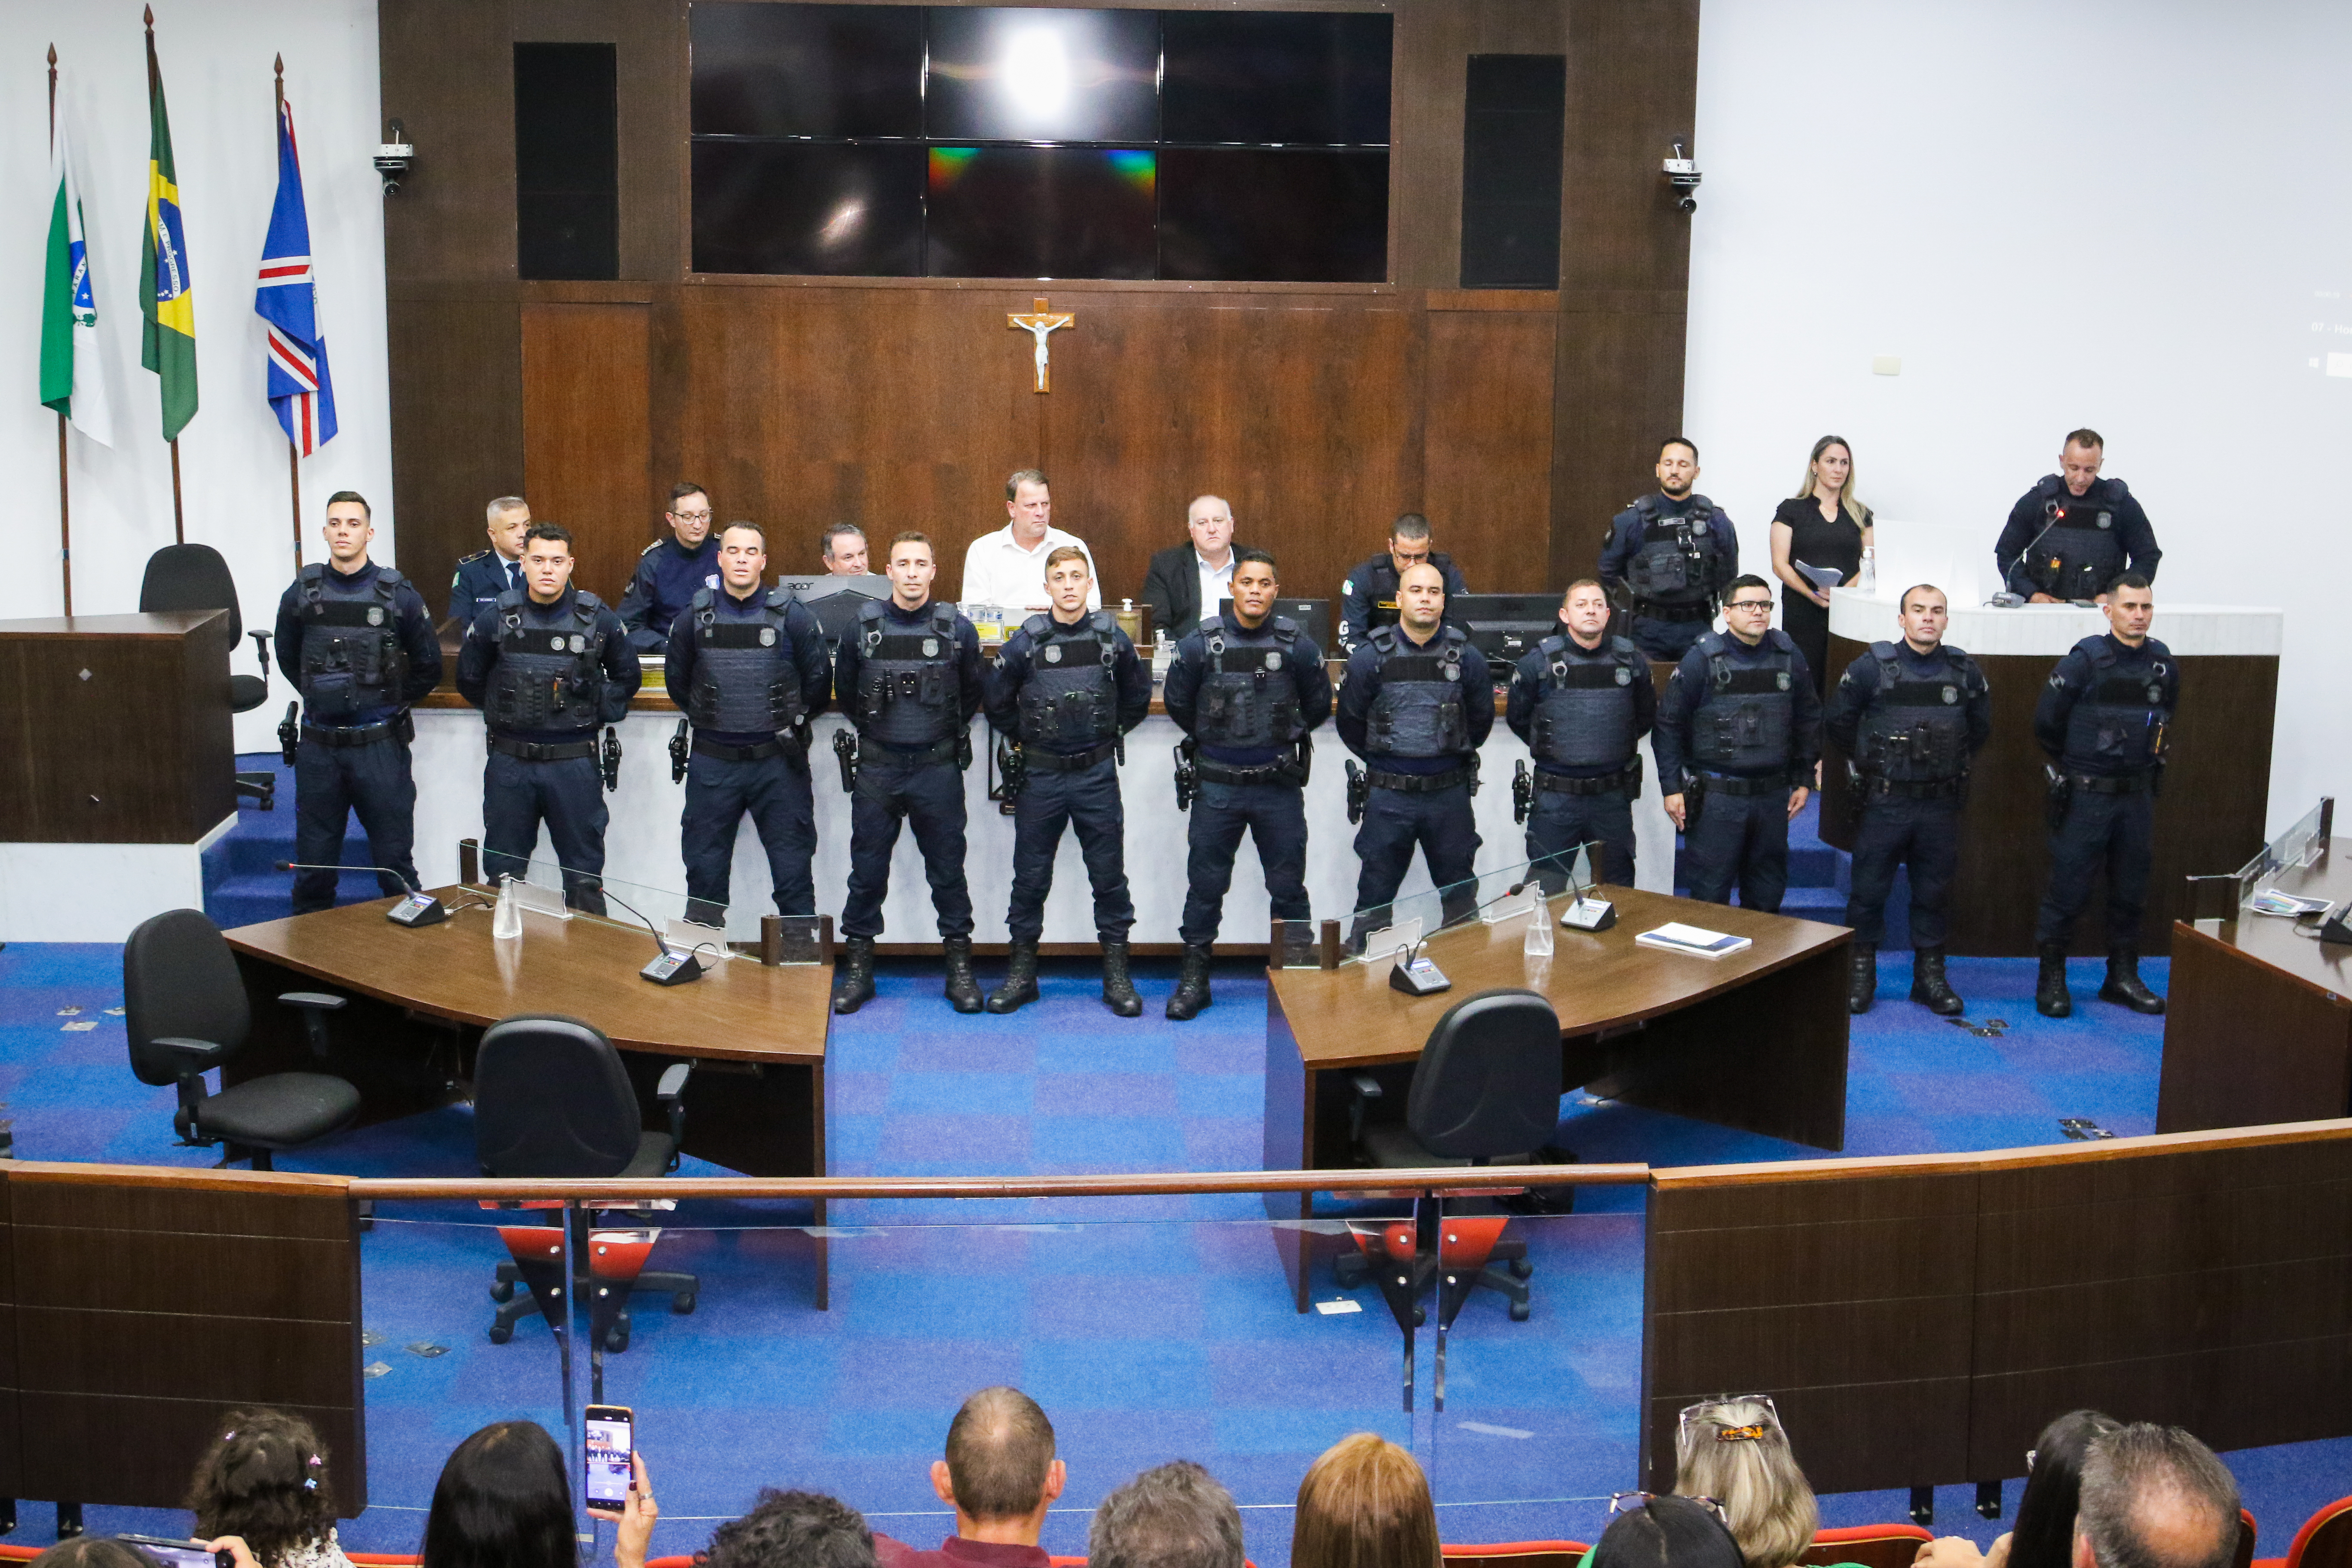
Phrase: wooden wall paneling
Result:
[2221,1000]
[457,421]
[651,83]
[447,72]
[588,434]
[1487,391]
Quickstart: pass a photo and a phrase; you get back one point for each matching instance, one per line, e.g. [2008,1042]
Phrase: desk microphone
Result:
[673,967]
[417,908]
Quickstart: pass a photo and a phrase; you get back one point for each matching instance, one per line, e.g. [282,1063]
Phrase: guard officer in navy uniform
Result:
[671,571]
[1064,689]
[1367,599]
[2074,533]
[1248,689]
[486,573]
[1416,704]
[1582,699]
[1911,717]
[354,638]
[908,677]
[749,667]
[1738,736]
[547,665]
[1670,555]
[2102,719]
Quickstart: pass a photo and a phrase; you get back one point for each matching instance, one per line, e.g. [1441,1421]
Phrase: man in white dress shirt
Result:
[1007,568]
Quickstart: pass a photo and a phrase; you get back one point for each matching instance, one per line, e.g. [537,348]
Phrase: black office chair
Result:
[552,1099]
[186,1006]
[195,577]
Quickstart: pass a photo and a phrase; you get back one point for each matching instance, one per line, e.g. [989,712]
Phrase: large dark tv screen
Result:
[1303,78]
[807,71]
[1274,215]
[802,207]
[1040,212]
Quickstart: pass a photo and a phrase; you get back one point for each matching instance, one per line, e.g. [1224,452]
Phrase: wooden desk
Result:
[1755,1041]
[2258,1024]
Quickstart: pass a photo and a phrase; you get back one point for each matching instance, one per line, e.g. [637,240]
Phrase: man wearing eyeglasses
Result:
[671,571]
[1738,731]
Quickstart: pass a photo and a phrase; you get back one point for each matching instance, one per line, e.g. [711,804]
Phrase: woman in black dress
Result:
[1822,525]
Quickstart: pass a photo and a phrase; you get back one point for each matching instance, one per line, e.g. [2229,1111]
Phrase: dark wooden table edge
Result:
[2232,950]
[1681,1177]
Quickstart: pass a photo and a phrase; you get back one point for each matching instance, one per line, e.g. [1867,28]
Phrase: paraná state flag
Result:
[73,373]
[301,389]
[167,300]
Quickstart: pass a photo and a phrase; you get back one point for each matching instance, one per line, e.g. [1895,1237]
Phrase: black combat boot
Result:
[1119,991]
[962,989]
[1191,992]
[1929,986]
[853,978]
[1020,979]
[2124,984]
[1862,980]
[2050,989]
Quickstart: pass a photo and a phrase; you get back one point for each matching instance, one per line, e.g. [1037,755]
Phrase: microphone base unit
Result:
[1589,914]
[1418,976]
[416,909]
[672,969]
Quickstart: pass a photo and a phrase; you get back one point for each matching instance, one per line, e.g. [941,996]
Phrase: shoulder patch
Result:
[470,559]
[649,549]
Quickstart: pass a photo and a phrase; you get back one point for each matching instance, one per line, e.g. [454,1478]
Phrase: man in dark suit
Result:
[1186,581]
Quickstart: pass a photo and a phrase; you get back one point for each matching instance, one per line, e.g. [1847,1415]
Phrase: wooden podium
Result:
[116,729]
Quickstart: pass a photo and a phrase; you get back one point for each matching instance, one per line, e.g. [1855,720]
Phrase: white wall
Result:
[2134,215]
[215,57]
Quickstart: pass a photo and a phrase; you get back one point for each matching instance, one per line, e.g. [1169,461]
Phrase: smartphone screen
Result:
[608,1428]
[173,1554]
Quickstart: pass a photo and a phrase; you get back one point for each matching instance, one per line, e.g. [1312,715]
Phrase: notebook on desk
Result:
[1675,937]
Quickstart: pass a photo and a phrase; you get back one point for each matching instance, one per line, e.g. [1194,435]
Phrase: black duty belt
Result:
[1874,788]
[1418,784]
[759,752]
[945,752]
[348,735]
[1282,772]
[1724,784]
[1555,783]
[1651,610]
[539,751]
[2114,783]
[1044,762]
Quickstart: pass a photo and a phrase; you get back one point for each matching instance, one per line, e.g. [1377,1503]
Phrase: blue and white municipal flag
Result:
[301,389]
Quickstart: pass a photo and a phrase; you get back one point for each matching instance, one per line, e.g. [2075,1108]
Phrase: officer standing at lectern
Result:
[1737,736]
[1670,555]
[1247,688]
[749,667]
[2074,533]
[355,639]
[547,664]
[1066,686]
[1369,599]
[1581,699]
[2103,721]
[671,571]
[1416,705]
[909,677]
[1911,717]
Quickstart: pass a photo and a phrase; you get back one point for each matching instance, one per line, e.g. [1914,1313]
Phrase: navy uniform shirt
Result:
[2029,517]
[1001,687]
[1372,587]
[1625,542]
[667,577]
[479,654]
[1361,685]
[808,656]
[1670,743]
[1858,689]
[850,660]
[1180,693]
[417,640]
[2072,682]
[1528,677]
[481,578]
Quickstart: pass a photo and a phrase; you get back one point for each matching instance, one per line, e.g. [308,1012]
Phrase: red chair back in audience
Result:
[1871,1545]
[2323,1542]
[1516,1554]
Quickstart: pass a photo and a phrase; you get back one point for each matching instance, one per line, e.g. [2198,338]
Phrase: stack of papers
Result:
[2271,901]
[1676,937]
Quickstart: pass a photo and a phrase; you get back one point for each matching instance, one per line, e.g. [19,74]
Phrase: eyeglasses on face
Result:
[692,516]
[1748,605]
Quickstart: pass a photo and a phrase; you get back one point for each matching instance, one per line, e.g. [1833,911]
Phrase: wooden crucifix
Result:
[1038,323]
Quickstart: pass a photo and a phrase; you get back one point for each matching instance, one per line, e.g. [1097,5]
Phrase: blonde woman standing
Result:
[1822,525]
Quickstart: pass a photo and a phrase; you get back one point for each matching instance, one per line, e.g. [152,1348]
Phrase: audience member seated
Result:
[1364,1504]
[504,1500]
[1175,1516]
[1000,1476]
[792,1529]
[264,1481]
[95,1551]
[1665,1533]
[2044,1536]
[1736,1451]
[2155,1497]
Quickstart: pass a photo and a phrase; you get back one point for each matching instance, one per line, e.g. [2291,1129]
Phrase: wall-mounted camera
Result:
[1682,174]
[393,158]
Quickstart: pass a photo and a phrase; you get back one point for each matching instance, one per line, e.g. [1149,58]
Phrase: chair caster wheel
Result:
[1519,1311]
[682,1303]
[1419,1316]
[501,1334]
[1521,1268]
[617,1339]
[502,1291]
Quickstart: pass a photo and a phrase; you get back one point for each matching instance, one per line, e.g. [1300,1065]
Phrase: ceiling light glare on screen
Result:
[1033,77]
[842,227]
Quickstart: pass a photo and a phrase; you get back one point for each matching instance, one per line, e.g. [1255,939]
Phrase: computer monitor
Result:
[835,601]
[1505,626]
[1312,615]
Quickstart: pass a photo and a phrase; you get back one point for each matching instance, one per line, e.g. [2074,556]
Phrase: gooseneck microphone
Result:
[417,908]
[673,967]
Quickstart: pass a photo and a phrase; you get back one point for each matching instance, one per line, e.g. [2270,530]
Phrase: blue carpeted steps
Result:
[242,882]
[1819,879]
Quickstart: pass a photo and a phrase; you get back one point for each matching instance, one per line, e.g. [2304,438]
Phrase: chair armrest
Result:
[1363,1088]
[670,1091]
[314,1007]
[673,1080]
[261,651]
[196,1056]
[319,1000]
[1366,1086]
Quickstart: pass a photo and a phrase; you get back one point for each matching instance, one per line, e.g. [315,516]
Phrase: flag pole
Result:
[65,498]
[179,519]
[293,450]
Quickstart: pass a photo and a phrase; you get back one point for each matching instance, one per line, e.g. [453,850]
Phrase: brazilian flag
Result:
[167,300]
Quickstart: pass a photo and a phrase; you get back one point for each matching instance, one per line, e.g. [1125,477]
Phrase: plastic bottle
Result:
[1867,579]
[507,919]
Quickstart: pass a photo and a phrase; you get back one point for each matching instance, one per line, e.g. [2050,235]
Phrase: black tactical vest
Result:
[2078,553]
[351,656]
[907,690]
[1673,561]
[1070,701]
[1418,710]
[1584,705]
[1916,729]
[746,681]
[1248,695]
[1748,718]
[2114,725]
[550,675]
